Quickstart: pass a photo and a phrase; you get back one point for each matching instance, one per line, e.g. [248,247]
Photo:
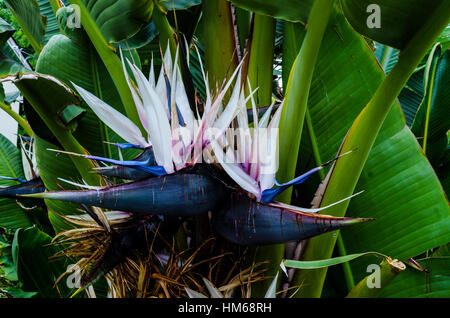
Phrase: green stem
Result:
[243,21]
[340,242]
[314,145]
[297,93]
[260,65]
[98,92]
[22,122]
[427,118]
[220,60]
[361,138]
[349,280]
[55,5]
[112,63]
[166,33]
[219,41]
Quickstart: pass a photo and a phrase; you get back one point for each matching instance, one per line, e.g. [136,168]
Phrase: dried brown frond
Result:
[162,273]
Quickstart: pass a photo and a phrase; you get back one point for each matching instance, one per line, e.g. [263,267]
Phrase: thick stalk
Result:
[219,40]
[427,118]
[314,145]
[361,138]
[55,5]
[243,21]
[260,66]
[112,63]
[166,33]
[348,275]
[297,92]
[22,122]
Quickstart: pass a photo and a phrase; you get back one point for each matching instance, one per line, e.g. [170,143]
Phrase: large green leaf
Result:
[11,215]
[119,20]
[289,10]
[6,31]
[413,283]
[79,63]
[399,20]
[37,268]
[70,62]
[46,10]
[179,4]
[9,283]
[49,97]
[432,121]
[387,56]
[411,96]
[27,14]
[92,24]
[401,189]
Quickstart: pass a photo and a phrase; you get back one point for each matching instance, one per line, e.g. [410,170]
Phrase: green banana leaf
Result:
[79,63]
[140,39]
[400,188]
[289,10]
[28,16]
[37,269]
[432,121]
[179,4]
[416,284]
[9,283]
[9,66]
[7,267]
[46,10]
[49,97]
[6,31]
[119,20]
[412,96]
[11,215]
[387,56]
[399,20]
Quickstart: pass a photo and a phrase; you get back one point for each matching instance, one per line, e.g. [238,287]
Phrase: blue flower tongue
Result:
[140,165]
[169,100]
[269,195]
[127,146]
[20,180]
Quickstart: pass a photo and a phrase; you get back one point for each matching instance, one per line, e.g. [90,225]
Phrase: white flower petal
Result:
[136,98]
[299,209]
[115,120]
[265,119]
[235,172]
[159,126]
